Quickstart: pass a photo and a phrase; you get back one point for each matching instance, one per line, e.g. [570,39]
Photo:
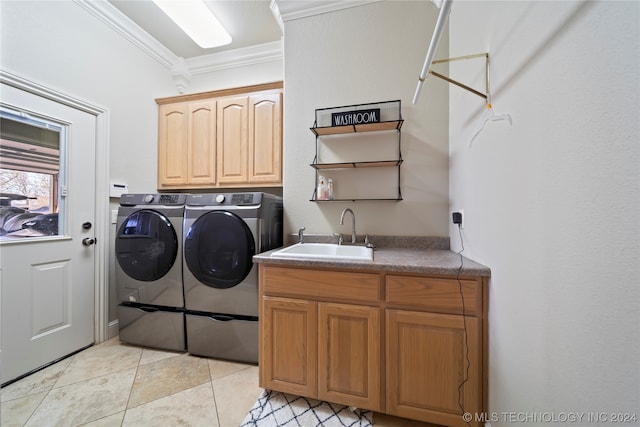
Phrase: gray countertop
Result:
[429,259]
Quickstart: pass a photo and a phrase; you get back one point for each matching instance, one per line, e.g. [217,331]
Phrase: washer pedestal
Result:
[150,327]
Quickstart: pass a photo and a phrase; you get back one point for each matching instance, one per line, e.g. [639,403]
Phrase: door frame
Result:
[101,259]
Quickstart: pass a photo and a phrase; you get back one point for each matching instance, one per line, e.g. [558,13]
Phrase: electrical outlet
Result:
[458,218]
[114,216]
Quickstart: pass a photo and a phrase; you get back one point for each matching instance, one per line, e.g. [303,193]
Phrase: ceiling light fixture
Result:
[197,21]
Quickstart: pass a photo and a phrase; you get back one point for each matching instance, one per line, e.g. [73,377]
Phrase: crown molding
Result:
[117,21]
[289,10]
[267,52]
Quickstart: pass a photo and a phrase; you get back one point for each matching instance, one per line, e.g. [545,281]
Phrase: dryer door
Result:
[146,245]
[218,249]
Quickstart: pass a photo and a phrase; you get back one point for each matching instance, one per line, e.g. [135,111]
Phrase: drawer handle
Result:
[221,318]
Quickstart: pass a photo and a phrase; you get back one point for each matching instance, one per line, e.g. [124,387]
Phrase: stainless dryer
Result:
[148,251]
[222,233]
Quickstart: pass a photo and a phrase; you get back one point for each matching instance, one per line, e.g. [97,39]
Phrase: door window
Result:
[32,183]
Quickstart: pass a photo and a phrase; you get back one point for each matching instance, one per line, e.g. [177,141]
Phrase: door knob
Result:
[88,241]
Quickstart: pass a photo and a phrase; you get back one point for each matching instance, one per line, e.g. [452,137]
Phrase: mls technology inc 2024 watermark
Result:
[551,417]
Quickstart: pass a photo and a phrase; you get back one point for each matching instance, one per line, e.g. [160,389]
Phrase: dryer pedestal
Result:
[223,337]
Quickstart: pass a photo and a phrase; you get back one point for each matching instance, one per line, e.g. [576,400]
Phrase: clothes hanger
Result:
[490,116]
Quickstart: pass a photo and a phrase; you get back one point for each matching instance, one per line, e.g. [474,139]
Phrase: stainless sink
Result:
[328,251]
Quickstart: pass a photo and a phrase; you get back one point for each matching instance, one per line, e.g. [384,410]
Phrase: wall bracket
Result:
[486,96]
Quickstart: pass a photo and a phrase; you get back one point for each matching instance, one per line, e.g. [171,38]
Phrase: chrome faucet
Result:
[301,235]
[353,223]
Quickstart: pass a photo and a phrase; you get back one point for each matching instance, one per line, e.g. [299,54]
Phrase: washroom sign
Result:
[357,117]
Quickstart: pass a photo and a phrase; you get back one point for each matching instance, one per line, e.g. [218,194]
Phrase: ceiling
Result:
[250,23]
[255,27]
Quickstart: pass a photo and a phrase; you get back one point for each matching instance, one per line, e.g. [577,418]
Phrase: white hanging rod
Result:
[445,8]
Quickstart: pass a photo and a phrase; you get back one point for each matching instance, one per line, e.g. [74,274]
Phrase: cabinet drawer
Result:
[435,294]
[321,284]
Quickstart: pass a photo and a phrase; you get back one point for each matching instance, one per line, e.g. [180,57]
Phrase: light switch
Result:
[114,216]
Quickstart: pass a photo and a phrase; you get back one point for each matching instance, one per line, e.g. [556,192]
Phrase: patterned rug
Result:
[275,409]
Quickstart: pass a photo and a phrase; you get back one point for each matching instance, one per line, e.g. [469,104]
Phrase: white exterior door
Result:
[48,282]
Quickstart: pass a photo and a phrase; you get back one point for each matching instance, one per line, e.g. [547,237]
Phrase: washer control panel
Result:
[153,199]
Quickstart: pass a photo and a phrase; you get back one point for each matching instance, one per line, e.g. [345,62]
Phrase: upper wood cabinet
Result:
[265,137]
[201,143]
[230,138]
[233,143]
[172,144]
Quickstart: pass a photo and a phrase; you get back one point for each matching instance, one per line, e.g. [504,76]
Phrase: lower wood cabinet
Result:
[289,346]
[392,343]
[325,351]
[427,362]
[349,355]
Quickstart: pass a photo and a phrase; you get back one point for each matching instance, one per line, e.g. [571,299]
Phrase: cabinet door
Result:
[288,344]
[202,143]
[265,138]
[173,120]
[349,355]
[232,140]
[427,362]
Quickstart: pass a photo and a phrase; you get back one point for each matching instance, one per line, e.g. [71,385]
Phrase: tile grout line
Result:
[53,385]
[126,407]
[213,392]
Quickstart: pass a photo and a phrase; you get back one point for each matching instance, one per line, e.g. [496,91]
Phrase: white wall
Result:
[62,46]
[552,203]
[366,54]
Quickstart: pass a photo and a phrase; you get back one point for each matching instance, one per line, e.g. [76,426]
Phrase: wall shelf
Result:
[367,127]
[387,119]
[357,200]
[351,165]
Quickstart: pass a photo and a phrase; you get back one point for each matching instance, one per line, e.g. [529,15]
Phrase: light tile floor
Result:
[114,384]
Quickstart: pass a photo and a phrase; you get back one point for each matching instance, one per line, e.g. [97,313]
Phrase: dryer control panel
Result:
[244,199]
[225,199]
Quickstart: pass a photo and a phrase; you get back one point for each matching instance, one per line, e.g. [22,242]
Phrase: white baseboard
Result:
[113,329]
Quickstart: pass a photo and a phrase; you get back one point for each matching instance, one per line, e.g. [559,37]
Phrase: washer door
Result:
[146,245]
[218,249]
